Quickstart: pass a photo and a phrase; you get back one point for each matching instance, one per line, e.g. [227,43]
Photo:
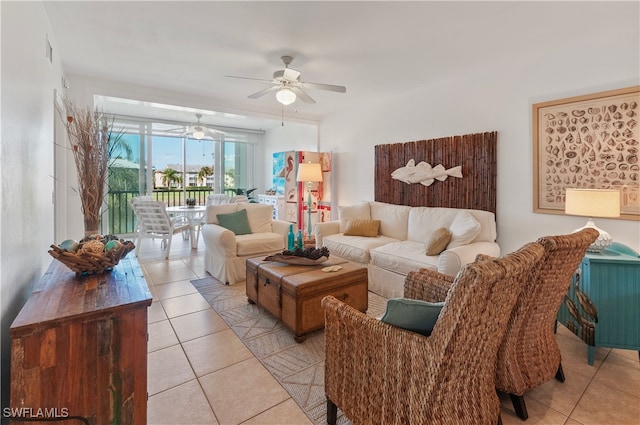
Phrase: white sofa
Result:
[226,252]
[401,243]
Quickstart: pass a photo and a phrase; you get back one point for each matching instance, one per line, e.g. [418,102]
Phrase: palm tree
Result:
[204,172]
[170,176]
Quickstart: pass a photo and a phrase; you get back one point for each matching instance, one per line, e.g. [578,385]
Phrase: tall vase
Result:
[91,224]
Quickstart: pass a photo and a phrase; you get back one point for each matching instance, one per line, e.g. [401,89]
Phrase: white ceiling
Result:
[375,49]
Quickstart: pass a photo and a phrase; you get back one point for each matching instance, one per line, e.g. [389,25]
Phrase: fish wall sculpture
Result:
[424,174]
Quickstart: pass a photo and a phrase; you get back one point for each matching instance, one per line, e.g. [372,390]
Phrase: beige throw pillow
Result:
[361,227]
[438,241]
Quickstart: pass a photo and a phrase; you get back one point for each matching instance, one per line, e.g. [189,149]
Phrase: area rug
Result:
[298,367]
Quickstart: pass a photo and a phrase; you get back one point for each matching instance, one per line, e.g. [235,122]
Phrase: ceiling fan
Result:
[288,87]
[198,130]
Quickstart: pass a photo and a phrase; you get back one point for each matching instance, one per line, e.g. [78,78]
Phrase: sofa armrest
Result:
[219,241]
[427,285]
[281,227]
[323,229]
[451,260]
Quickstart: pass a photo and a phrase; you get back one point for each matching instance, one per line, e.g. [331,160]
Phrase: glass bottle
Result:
[291,239]
[300,240]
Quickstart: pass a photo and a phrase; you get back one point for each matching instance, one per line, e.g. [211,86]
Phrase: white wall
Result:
[26,159]
[498,97]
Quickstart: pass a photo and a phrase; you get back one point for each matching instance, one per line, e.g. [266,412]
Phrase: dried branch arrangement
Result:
[90,133]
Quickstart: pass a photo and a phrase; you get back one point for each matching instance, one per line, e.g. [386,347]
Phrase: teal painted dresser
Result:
[602,306]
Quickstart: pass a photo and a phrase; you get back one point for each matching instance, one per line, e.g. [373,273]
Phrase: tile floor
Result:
[199,372]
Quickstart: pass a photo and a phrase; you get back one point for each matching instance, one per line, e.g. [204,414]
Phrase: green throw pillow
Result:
[413,315]
[237,222]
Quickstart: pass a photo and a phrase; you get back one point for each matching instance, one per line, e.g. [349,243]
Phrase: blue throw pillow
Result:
[413,315]
[237,222]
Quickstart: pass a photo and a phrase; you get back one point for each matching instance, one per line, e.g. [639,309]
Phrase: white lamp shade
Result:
[198,135]
[309,172]
[286,96]
[593,202]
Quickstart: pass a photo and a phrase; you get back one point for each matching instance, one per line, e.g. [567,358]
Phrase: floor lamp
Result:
[309,173]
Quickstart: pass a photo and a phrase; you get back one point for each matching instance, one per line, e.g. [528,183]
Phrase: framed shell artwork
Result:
[590,141]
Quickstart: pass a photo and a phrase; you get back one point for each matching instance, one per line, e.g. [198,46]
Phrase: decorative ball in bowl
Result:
[92,254]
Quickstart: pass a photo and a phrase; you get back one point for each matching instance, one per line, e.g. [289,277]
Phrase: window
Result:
[180,167]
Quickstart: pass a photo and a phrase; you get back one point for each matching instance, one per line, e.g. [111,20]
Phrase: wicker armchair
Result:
[529,355]
[380,374]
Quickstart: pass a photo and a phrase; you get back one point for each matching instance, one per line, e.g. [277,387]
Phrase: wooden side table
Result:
[79,346]
[602,306]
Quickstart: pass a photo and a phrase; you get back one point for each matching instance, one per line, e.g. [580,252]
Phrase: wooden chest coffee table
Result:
[292,293]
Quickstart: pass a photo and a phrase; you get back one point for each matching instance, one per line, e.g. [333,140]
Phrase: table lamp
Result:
[594,203]
[309,173]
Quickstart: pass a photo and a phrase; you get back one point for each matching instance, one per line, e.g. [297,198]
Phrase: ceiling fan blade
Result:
[302,95]
[263,92]
[252,79]
[329,87]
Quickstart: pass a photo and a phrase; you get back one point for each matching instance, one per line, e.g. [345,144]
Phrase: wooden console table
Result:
[79,346]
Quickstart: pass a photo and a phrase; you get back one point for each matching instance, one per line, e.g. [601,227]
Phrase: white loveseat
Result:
[226,253]
[401,243]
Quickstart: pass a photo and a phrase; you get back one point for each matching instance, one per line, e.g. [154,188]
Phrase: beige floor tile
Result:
[240,392]
[620,373]
[155,312]
[185,304]
[572,422]
[184,404]
[161,335]
[172,275]
[561,396]
[627,354]
[215,351]
[539,414]
[160,267]
[604,405]
[173,289]
[167,368]
[574,355]
[200,323]
[286,413]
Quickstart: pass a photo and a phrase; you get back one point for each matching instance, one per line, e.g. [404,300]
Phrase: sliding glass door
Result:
[156,160]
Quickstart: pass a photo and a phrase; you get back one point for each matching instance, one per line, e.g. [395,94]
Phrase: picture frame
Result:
[588,141]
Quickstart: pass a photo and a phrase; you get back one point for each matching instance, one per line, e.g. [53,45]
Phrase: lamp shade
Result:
[285,96]
[592,202]
[309,172]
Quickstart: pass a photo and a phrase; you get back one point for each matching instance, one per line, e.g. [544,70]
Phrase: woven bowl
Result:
[91,263]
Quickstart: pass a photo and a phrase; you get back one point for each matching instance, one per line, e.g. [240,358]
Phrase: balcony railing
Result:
[121,219]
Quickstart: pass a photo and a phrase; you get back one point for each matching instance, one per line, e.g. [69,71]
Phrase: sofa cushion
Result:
[350,212]
[214,210]
[464,229]
[354,248]
[413,315]
[260,217]
[438,241]
[402,257]
[423,221]
[360,227]
[258,243]
[394,219]
[237,222]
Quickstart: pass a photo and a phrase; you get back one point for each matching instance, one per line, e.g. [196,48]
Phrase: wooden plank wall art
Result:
[475,154]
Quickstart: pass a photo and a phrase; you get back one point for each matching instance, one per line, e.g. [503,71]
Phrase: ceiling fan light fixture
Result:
[198,134]
[285,96]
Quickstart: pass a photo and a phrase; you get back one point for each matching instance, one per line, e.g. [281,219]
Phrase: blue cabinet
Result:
[602,306]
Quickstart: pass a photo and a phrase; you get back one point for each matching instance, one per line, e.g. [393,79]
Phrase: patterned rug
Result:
[298,367]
